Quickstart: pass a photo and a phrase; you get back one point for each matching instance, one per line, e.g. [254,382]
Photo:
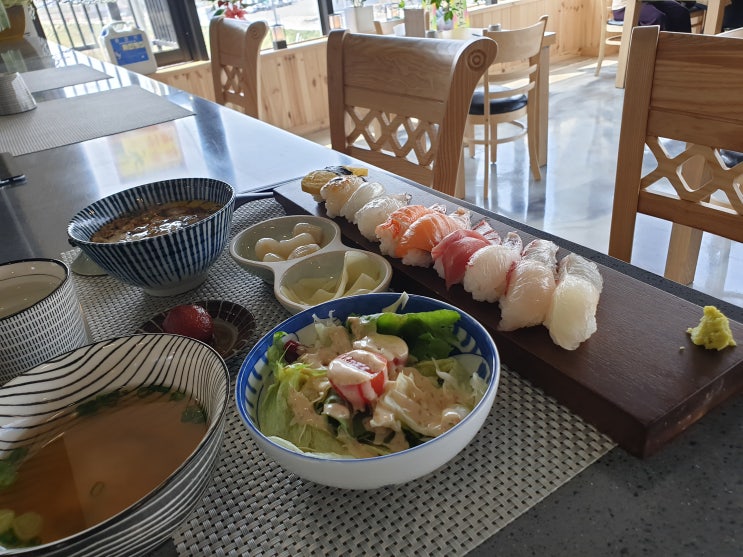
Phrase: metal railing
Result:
[78,24]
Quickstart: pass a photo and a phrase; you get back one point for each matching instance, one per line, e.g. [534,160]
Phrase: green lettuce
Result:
[429,334]
[276,414]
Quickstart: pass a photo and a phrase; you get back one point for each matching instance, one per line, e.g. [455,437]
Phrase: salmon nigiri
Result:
[450,255]
[391,231]
[420,238]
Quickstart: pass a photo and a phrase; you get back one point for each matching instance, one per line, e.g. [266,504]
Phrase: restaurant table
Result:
[685,500]
[712,25]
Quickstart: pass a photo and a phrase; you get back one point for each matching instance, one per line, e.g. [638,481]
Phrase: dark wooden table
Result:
[686,500]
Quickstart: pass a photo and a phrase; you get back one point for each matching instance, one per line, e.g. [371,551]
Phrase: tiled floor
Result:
[574,198]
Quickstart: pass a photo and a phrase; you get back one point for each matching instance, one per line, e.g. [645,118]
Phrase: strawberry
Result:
[190,321]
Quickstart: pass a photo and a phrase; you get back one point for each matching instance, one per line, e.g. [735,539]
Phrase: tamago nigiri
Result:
[571,318]
[530,287]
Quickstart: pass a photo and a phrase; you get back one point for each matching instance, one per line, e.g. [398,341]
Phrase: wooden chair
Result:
[235,51]
[667,74]
[400,103]
[508,95]
[611,32]
[697,13]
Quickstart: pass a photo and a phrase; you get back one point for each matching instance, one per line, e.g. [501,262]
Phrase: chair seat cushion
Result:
[615,22]
[497,106]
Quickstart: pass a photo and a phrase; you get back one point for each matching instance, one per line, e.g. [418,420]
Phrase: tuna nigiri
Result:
[377,211]
[530,287]
[450,255]
[391,231]
[421,236]
[487,270]
[571,318]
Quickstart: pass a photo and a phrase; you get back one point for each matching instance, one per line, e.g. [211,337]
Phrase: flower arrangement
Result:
[233,9]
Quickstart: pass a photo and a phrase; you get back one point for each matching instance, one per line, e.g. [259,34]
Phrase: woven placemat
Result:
[528,447]
[63,76]
[70,120]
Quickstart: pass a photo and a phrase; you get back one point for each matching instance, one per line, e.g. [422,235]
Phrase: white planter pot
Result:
[360,19]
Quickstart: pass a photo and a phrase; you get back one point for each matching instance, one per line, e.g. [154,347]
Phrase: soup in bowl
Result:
[161,237]
[110,445]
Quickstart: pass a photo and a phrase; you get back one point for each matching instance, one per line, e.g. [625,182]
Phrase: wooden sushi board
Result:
[639,379]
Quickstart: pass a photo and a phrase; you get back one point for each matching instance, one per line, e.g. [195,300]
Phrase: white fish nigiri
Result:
[363,194]
[487,270]
[377,211]
[337,191]
[530,287]
[571,318]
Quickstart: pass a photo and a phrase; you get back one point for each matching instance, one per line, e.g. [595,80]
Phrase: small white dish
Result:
[329,275]
[242,246]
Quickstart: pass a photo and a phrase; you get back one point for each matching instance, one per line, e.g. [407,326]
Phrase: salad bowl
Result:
[472,345]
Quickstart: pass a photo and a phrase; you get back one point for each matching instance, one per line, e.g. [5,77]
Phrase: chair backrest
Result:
[235,52]
[387,27]
[682,87]
[401,103]
[516,63]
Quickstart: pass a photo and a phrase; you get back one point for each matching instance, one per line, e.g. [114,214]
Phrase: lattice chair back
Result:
[235,51]
[400,103]
[682,101]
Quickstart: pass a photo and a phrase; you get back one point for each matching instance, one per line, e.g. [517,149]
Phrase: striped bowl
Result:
[475,348]
[161,265]
[33,404]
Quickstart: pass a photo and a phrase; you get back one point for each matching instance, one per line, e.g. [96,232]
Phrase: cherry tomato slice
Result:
[358,376]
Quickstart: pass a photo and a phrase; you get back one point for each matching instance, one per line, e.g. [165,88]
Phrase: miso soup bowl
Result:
[474,346]
[39,403]
[165,265]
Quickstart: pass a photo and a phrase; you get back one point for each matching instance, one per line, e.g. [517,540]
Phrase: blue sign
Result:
[129,49]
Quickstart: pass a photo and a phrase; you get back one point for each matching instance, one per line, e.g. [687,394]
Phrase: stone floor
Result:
[574,198]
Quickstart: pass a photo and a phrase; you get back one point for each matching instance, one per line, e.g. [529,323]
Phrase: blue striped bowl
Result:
[30,407]
[476,350]
[161,265]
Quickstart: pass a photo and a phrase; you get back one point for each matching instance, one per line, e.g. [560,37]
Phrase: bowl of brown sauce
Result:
[109,446]
[161,237]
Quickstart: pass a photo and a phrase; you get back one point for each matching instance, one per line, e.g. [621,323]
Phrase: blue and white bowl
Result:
[255,376]
[31,406]
[161,265]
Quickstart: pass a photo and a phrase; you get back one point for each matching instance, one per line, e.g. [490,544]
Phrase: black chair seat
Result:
[731,158]
[497,106]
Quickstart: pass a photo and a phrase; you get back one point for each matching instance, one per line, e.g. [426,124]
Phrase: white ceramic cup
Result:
[40,316]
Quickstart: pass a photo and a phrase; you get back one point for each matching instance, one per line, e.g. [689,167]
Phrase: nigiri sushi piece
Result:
[363,194]
[571,318]
[484,228]
[419,239]
[377,211]
[487,270]
[391,231]
[337,191]
[451,255]
[531,285]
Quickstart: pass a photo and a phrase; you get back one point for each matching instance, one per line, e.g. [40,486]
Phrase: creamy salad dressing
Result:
[343,396]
